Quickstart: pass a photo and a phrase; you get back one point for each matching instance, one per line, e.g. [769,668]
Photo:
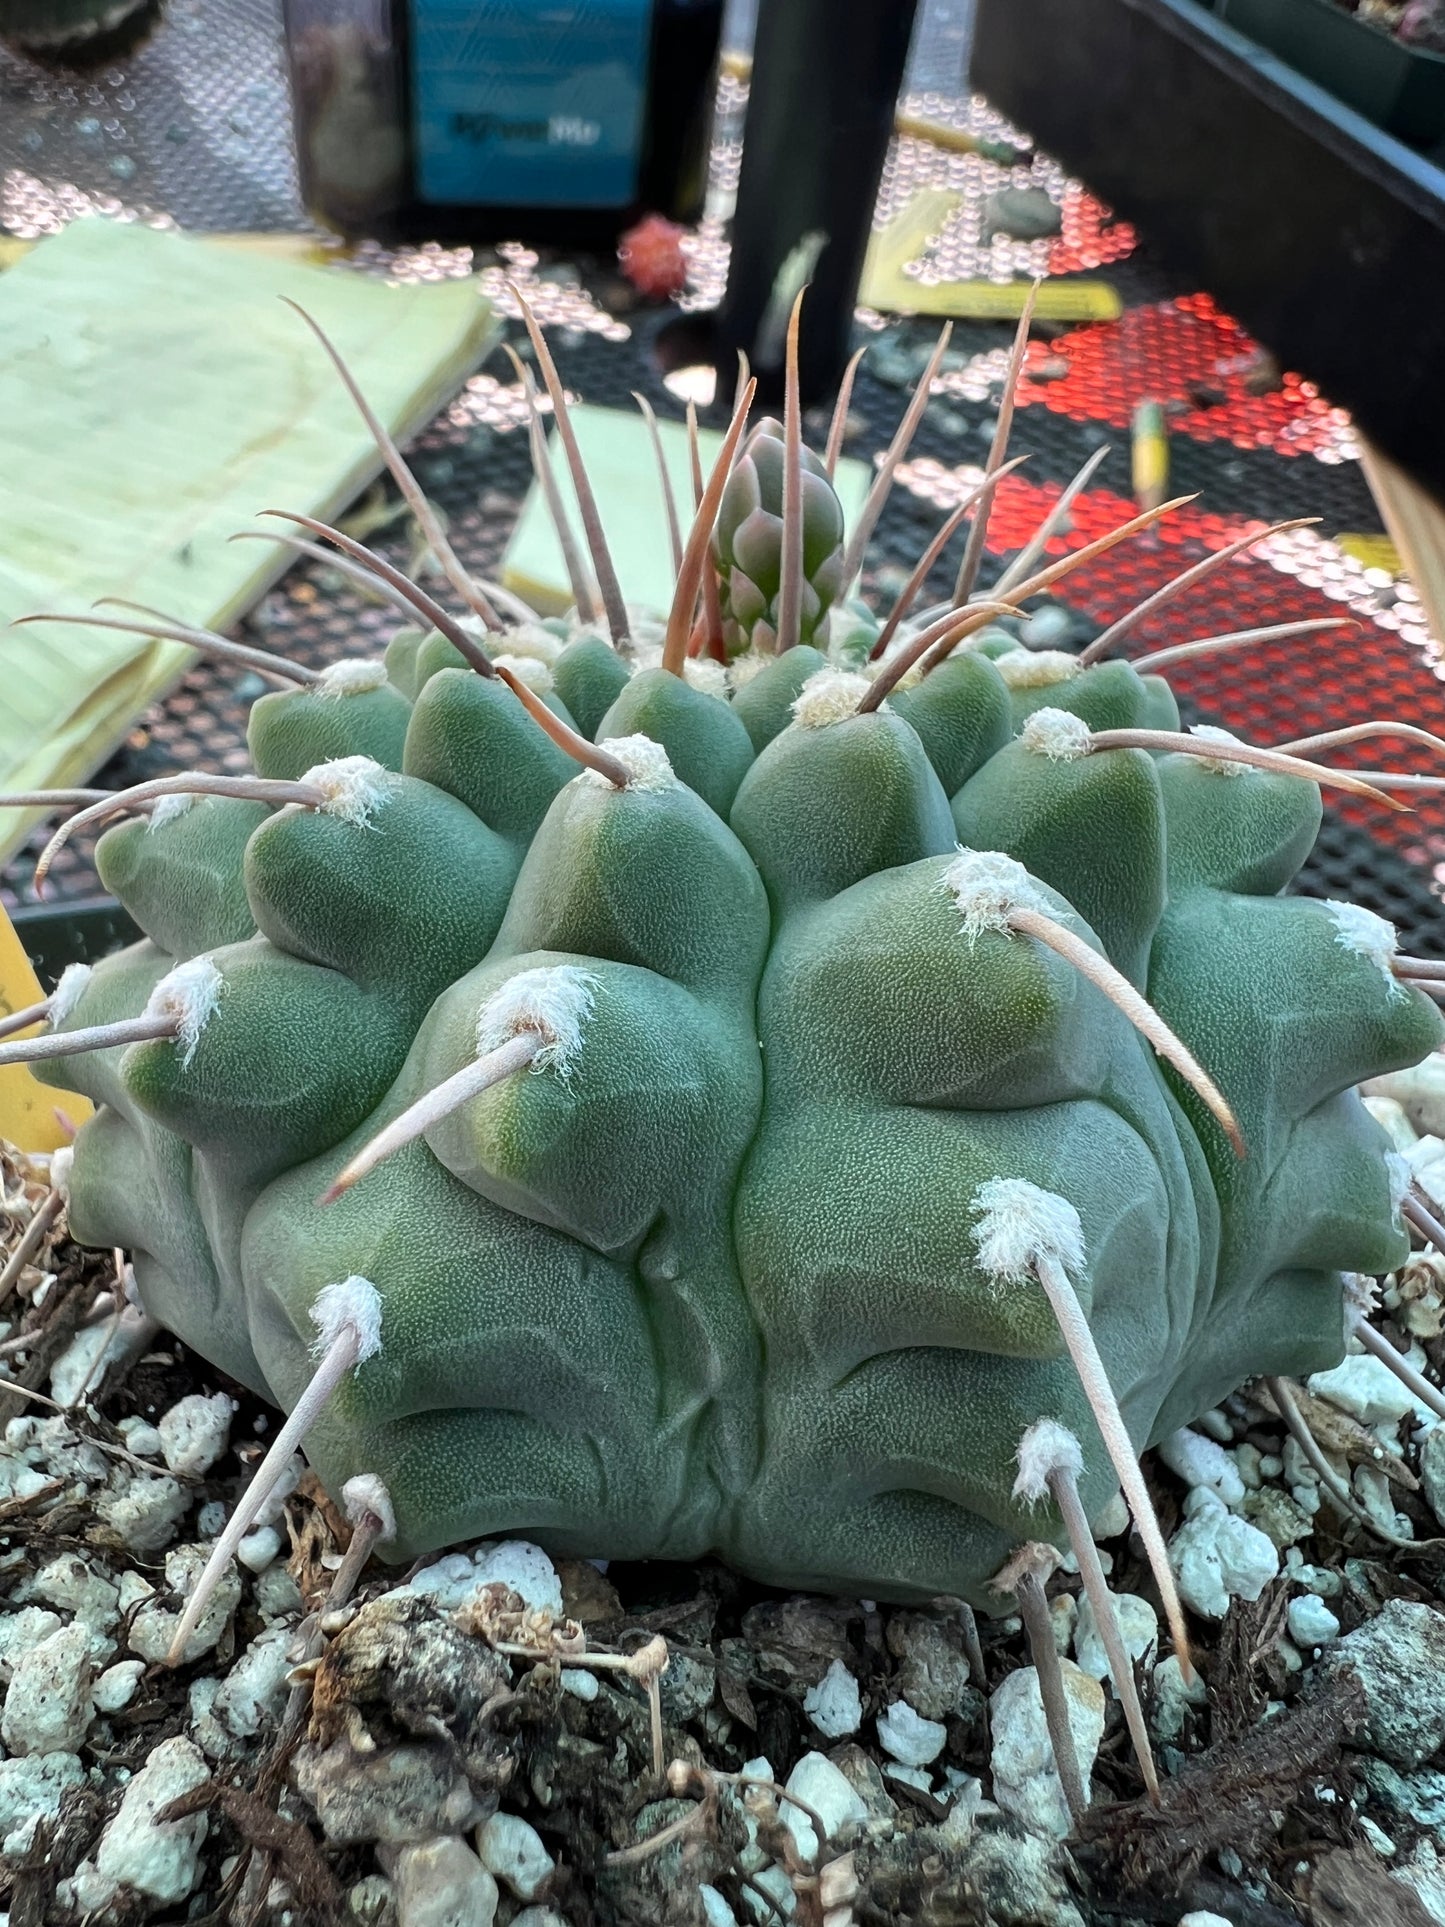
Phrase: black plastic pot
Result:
[1399,88]
[54,935]
[1323,234]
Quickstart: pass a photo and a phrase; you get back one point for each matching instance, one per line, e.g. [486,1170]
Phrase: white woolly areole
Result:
[1020,1226]
[354,1303]
[532,639]
[645,762]
[1057,734]
[701,672]
[1220,765]
[356,678]
[168,808]
[366,1495]
[61,1161]
[1362,1292]
[189,993]
[68,992]
[531,670]
[1365,935]
[1036,668]
[1401,1176]
[352,787]
[1046,1447]
[554,1001]
[988,887]
[742,669]
[829,696]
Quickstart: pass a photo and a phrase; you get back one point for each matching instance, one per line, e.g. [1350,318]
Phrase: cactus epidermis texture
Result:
[721,1266]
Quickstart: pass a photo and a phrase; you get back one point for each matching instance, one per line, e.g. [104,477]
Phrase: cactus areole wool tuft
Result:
[761,1069]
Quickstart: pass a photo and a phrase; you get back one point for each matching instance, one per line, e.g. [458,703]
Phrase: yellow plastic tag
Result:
[27,1107]
[1372,552]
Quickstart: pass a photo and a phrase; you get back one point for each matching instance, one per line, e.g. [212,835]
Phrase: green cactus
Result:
[748,543]
[789,1077]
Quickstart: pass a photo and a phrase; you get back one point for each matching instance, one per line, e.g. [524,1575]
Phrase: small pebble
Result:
[159,1860]
[1025,1779]
[1311,1623]
[1112,1521]
[835,1705]
[715,1910]
[1201,1462]
[31,1789]
[259,1548]
[154,1625]
[441,1883]
[1218,1556]
[117,1686]
[1364,1387]
[47,1704]
[816,1781]
[908,1737]
[513,1851]
[211,1519]
[1138,1623]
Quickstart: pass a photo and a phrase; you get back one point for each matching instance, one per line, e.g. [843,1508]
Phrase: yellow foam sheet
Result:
[617,452]
[28,1107]
[155,394]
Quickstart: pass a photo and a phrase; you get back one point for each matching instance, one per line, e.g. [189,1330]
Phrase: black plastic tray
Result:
[1399,88]
[1322,233]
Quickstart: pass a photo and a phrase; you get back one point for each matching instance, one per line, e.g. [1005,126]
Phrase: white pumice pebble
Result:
[291,1476]
[31,1789]
[817,1782]
[253,1694]
[512,1851]
[259,1548]
[159,1860]
[195,1433]
[47,1703]
[19,1631]
[442,1883]
[1311,1623]
[1138,1624]
[715,1910]
[117,1686]
[1217,1556]
[1113,1521]
[144,1512]
[834,1705]
[525,1569]
[154,1625]
[1365,1387]
[1420,1091]
[141,1437]
[1025,1779]
[1173,1699]
[909,1738]
[1202,1462]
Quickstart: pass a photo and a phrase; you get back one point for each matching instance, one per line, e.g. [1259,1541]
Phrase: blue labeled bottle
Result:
[555,121]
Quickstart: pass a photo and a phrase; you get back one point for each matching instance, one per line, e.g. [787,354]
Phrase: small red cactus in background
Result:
[652,258]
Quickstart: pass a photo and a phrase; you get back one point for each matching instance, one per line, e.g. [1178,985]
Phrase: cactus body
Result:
[749,544]
[715,1281]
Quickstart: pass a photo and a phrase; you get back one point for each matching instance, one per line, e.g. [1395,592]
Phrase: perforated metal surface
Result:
[1251,457]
